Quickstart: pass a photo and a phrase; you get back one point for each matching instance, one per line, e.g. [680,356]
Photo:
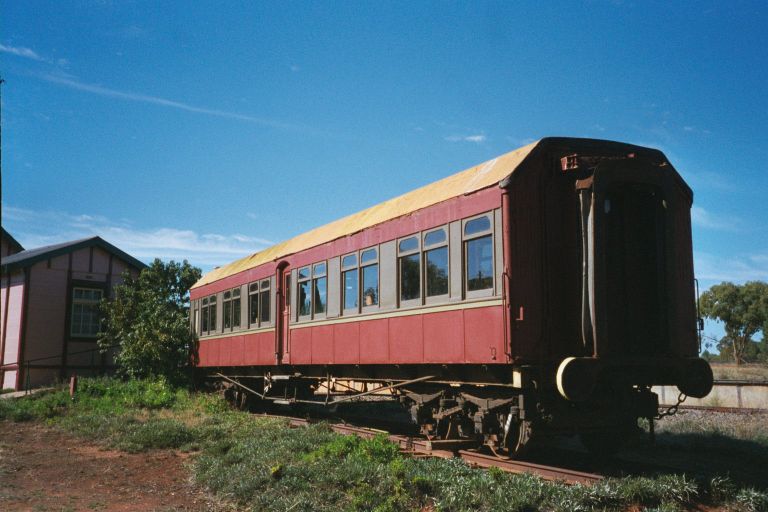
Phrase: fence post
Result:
[25,368]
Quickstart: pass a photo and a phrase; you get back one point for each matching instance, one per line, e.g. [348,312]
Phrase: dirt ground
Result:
[44,469]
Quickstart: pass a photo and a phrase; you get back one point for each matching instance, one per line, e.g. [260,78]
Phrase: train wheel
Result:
[515,443]
[518,438]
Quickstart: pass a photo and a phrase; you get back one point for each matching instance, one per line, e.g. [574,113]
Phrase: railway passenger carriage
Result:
[544,290]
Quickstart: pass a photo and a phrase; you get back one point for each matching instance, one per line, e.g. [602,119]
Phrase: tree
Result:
[744,311]
[149,320]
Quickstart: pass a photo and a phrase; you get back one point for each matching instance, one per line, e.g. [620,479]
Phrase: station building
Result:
[49,308]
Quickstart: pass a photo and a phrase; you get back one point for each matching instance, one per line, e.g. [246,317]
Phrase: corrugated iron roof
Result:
[31,256]
[12,241]
[470,180]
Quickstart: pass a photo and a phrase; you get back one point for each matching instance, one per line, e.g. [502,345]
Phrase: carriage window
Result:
[319,289]
[227,310]
[305,294]
[212,313]
[409,244]
[369,261]
[264,301]
[409,277]
[368,256]
[204,317]
[435,237]
[479,263]
[236,308]
[478,254]
[409,263]
[477,226]
[349,280]
[436,263]
[253,304]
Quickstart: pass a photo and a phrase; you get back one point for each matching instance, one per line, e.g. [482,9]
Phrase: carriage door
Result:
[284,315]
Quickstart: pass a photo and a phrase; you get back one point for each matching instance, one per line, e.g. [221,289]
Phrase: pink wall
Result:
[47,313]
[47,302]
[11,334]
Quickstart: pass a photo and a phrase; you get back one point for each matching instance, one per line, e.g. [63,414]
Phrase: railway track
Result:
[420,447]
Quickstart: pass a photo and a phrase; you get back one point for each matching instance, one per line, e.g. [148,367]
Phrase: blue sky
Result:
[208,130]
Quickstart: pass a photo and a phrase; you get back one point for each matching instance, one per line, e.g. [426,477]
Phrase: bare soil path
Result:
[42,468]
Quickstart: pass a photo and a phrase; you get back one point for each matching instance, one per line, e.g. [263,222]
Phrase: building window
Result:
[227,310]
[478,255]
[319,289]
[349,281]
[264,302]
[409,263]
[85,312]
[436,263]
[305,293]
[369,268]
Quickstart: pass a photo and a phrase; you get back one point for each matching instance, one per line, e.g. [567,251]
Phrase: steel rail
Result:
[518,466]
[416,446]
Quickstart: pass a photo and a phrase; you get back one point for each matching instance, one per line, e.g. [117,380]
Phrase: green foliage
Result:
[743,309]
[751,500]
[261,464]
[38,407]
[149,321]
[376,450]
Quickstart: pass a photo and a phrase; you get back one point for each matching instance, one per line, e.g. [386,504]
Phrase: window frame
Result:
[253,291]
[361,268]
[403,254]
[265,290]
[343,269]
[213,305]
[85,302]
[204,316]
[300,280]
[226,311]
[317,276]
[237,313]
[443,297]
[486,292]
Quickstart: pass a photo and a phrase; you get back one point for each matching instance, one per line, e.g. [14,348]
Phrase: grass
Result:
[727,371]
[713,426]
[259,463]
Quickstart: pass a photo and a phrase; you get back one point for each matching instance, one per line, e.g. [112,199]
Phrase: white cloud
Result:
[738,268]
[66,80]
[704,219]
[20,51]
[39,228]
[72,83]
[28,53]
[467,138]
